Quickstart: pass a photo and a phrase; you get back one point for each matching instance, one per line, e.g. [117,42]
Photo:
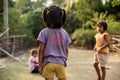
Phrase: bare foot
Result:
[107,67]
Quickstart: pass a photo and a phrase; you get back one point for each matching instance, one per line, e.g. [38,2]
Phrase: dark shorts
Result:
[35,70]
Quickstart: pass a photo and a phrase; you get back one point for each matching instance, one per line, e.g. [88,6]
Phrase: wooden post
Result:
[6,34]
[13,47]
[6,17]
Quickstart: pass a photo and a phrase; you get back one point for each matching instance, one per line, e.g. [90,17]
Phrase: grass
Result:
[79,68]
[18,72]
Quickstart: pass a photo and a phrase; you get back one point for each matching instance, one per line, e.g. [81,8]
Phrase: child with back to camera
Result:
[101,49]
[33,61]
[53,44]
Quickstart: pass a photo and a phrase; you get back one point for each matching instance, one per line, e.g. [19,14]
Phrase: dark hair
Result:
[103,23]
[54,16]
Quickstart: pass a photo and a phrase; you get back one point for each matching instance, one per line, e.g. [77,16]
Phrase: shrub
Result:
[113,28]
[84,38]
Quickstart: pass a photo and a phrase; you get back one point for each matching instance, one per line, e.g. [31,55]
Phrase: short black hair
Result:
[54,17]
[104,24]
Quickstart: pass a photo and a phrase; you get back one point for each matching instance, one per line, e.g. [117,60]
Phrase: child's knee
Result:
[95,65]
[102,68]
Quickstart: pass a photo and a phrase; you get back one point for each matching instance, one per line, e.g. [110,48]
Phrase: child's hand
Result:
[99,50]
[40,70]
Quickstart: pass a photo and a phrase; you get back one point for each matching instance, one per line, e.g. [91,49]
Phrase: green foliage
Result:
[33,23]
[27,30]
[72,23]
[95,5]
[113,27]
[14,22]
[23,5]
[83,13]
[99,16]
[87,25]
[64,4]
[58,1]
[91,24]
[115,3]
[84,38]
[1,22]
[1,16]
[11,3]
[1,6]
[112,10]
[26,6]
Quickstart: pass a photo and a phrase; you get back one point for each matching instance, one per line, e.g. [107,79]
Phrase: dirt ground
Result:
[80,67]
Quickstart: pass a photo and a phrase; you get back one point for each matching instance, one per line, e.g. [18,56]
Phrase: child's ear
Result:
[63,16]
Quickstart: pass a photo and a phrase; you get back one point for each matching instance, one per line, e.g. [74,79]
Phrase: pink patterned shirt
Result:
[32,63]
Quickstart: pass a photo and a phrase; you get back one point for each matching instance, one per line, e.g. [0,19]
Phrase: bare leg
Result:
[103,73]
[97,70]
[49,78]
[62,79]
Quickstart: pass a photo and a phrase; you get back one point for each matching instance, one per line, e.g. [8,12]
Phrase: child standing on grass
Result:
[33,61]
[101,49]
[53,44]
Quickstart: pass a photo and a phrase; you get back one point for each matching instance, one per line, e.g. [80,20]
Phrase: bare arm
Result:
[67,51]
[35,62]
[40,56]
[95,48]
[106,37]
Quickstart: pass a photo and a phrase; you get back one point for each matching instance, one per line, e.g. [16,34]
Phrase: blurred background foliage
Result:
[25,17]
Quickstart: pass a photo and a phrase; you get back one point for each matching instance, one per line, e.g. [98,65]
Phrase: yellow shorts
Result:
[51,69]
[101,58]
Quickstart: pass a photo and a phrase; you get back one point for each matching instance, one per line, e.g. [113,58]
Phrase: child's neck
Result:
[101,32]
[34,56]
